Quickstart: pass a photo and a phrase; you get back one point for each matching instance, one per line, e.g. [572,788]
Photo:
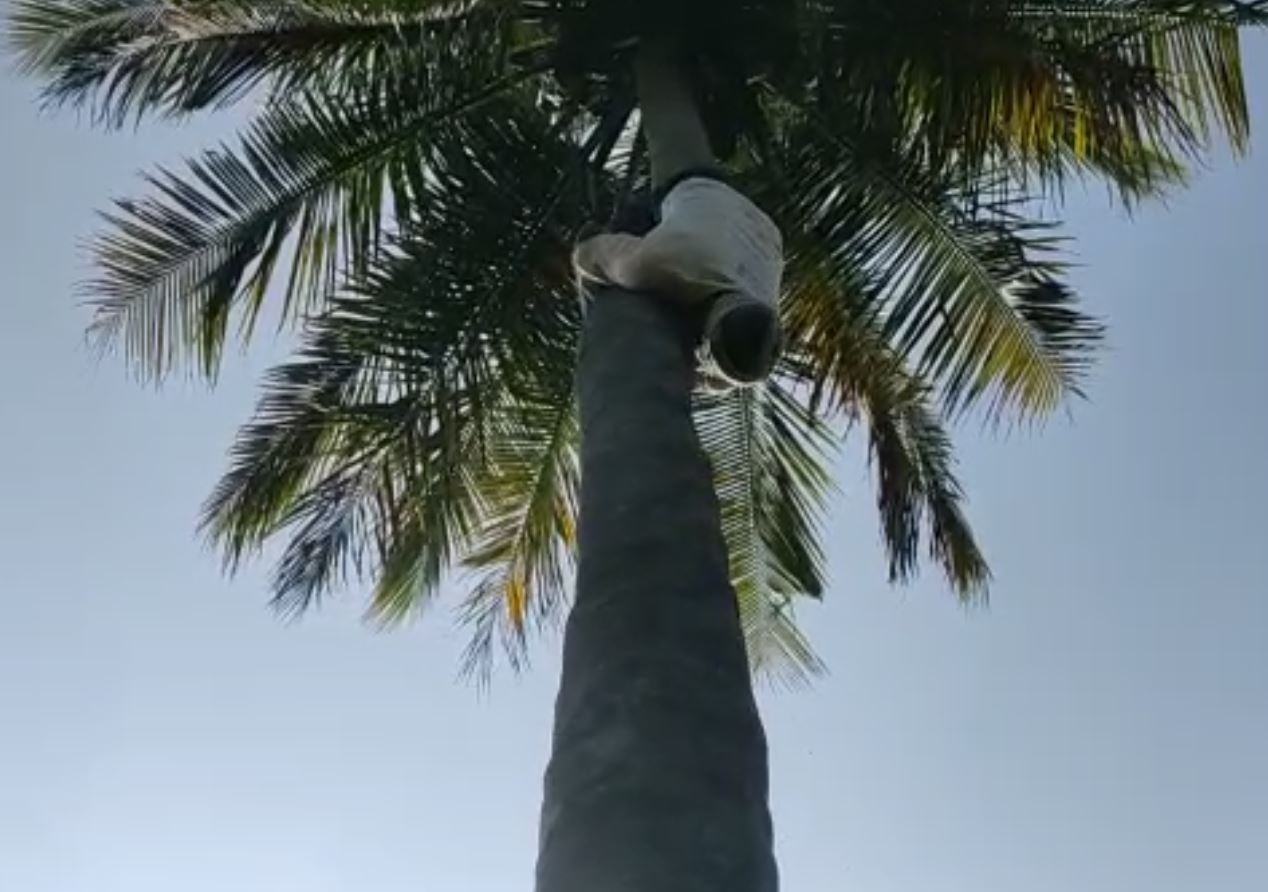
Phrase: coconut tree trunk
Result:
[658,777]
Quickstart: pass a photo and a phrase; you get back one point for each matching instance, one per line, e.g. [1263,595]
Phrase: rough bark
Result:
[658,777]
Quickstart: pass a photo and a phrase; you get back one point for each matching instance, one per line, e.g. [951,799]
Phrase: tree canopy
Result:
[414,175]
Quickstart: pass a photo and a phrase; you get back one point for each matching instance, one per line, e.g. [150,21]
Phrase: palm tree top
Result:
[416,171]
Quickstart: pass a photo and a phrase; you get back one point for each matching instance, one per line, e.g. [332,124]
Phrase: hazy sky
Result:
[1102,728]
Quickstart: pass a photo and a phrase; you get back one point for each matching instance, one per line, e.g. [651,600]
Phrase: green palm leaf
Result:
[308,185]
[853,371]
[1122,88]
[522,555]
[124,58]
[956,283]
[377,448]
[364,451]
[770,462]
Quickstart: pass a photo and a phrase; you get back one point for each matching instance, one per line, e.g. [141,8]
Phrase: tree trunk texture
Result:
[658,777]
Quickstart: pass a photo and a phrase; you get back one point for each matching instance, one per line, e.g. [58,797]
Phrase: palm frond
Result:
[388,450]
[916,486]
[840,351]
[1192,51]
[1126,89]
[308,186]
[363,450]
[952,278]
[524,547]
[1195,47]
[769,457]
[124,58]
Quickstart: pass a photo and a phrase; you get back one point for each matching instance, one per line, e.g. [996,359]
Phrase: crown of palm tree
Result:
[417,170]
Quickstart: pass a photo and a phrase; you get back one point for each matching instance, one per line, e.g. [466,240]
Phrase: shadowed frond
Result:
[1192,47]
[124,58]
[770,461]
[916,486]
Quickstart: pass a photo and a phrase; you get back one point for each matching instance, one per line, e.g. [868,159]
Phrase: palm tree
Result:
[406,196]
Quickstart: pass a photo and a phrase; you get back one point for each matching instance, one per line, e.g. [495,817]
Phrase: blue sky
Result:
[1104,726]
